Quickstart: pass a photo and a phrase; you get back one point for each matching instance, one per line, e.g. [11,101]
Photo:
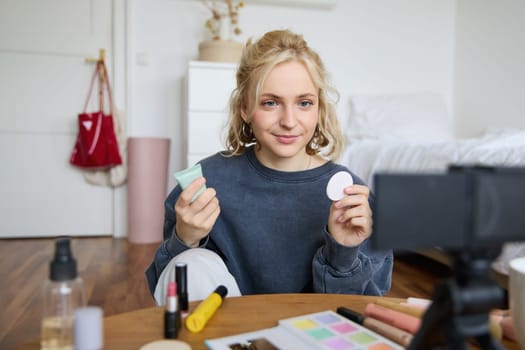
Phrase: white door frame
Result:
[123,38]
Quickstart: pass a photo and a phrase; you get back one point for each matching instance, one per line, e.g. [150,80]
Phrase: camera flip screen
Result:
[464,208]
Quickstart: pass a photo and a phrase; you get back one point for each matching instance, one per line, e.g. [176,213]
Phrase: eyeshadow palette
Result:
[328,330]
[323,330]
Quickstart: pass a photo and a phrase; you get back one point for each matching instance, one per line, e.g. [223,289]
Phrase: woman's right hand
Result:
[196,219]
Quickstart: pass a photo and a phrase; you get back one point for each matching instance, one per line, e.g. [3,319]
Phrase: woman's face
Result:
[285,117]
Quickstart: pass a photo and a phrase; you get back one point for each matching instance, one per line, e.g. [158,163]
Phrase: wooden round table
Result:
[133,329]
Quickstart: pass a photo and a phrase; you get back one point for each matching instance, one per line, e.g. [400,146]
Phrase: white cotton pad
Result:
[337,184]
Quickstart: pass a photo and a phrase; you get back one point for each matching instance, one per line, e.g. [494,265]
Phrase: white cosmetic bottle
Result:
[63,293]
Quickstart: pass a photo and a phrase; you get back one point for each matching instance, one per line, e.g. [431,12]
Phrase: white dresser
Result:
[208,89]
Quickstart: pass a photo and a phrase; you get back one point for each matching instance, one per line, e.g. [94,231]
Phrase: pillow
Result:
[419,118]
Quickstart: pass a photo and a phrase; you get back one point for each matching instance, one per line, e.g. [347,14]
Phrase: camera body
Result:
[465,208]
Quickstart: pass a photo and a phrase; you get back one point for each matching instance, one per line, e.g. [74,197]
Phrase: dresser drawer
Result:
[210,86]
[207,130]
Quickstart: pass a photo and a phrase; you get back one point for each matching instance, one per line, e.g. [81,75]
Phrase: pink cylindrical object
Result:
[394,318]
[148,160]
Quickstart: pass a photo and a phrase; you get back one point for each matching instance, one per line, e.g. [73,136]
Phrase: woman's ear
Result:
[244,115]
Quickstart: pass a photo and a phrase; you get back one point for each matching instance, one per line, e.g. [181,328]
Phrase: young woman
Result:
[264,224]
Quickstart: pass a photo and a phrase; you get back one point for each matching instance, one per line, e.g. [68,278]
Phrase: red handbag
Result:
[96,146]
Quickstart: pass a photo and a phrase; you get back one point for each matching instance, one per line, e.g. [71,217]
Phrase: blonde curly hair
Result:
[257,61]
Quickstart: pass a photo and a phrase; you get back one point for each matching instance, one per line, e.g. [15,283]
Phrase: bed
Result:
[414,133]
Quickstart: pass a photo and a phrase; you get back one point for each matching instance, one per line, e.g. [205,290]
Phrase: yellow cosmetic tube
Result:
[196,321]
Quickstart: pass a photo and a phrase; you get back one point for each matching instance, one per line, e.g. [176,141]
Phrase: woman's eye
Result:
[306,103]
[269,103]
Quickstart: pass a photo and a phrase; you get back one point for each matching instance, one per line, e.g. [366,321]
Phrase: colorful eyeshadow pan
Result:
[363,338]
[338,344]
[343,328]
[305,324]
[327,318]
[320,333]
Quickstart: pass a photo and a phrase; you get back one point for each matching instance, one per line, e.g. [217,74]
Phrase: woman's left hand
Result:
[350,220]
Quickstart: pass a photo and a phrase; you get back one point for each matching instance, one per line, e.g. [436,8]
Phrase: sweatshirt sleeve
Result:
[351,270]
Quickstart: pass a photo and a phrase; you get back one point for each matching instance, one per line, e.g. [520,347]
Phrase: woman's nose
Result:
[288,118]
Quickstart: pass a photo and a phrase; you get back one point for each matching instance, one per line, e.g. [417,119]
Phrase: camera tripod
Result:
[461,306]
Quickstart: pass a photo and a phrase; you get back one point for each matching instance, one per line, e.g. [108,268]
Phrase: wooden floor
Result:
[113,274]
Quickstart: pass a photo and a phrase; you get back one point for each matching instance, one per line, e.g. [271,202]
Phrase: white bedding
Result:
[368,156]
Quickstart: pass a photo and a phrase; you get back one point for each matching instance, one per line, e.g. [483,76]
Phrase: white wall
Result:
[368,46]
[490,65]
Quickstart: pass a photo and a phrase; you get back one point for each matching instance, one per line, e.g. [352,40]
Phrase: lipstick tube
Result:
[171,315]
[181,277]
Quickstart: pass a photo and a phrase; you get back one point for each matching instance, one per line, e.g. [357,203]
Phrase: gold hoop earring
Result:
[246,131]
[314,145]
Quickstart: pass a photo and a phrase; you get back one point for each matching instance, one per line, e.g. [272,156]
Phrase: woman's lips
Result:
[286,139]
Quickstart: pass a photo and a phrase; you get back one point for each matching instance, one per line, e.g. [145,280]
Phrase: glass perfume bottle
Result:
[63,293]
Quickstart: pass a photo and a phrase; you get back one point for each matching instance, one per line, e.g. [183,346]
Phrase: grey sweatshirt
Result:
[271,232]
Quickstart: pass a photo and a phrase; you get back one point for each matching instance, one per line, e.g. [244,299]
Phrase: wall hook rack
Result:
[101,59]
